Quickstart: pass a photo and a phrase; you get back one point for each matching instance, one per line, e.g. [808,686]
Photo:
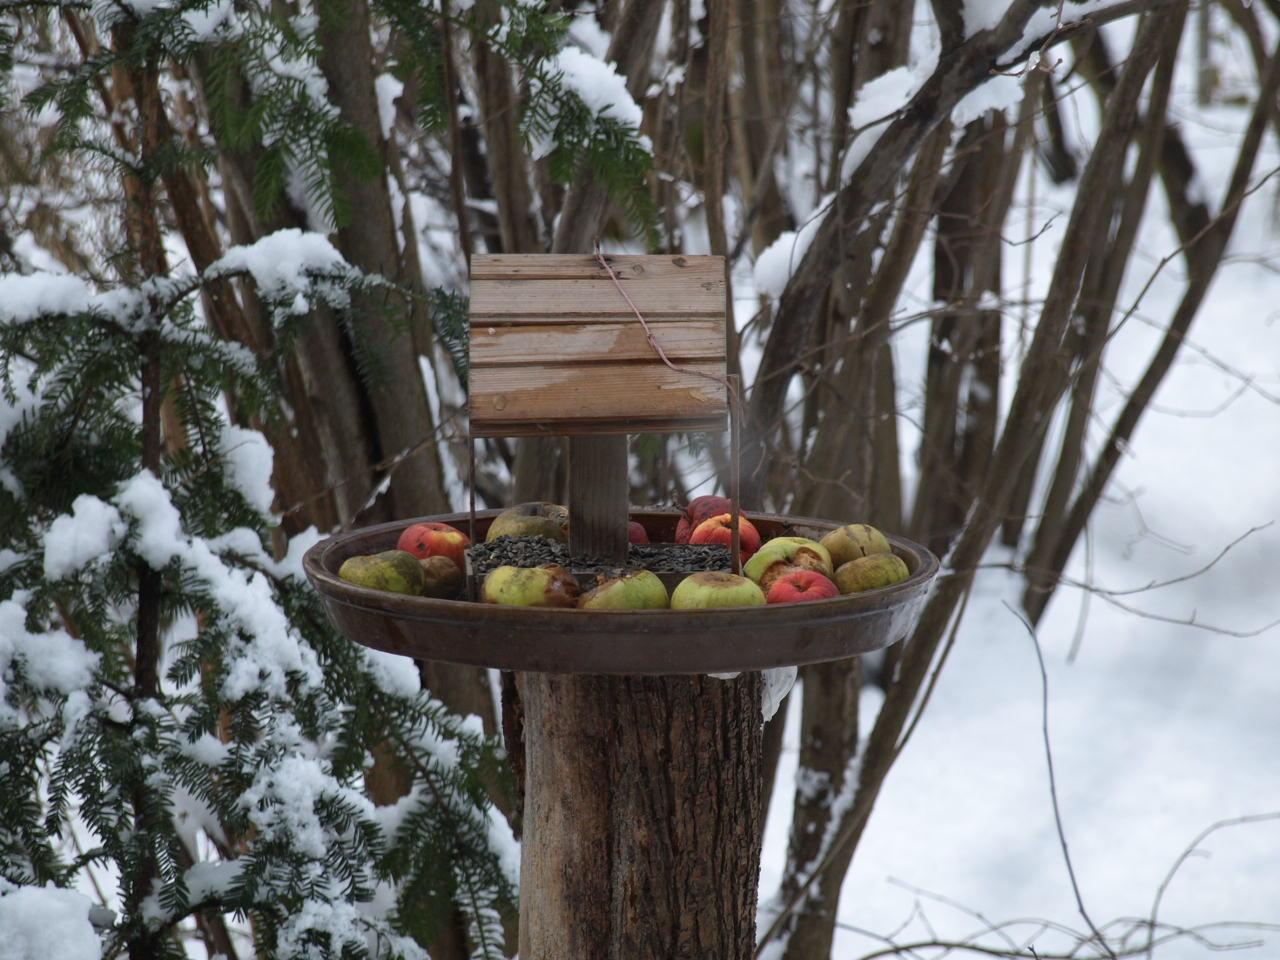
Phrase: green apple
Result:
[854,540]
[871,573]
[537,519]
[781,554]
[549,585]
[700,591]
[640,590]
[441,577]
[395,571]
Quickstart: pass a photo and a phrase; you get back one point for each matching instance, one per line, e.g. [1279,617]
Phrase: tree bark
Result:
[642,812]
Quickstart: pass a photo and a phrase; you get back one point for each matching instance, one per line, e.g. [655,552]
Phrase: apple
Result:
[395,571]
[701,591]
[699,509]
[640,590]
[432,539]
[779,554]
[798,585]
[636,533]
[536,519]
[441,577]
[549,585]
[871,573]
[854,540]
[719,529]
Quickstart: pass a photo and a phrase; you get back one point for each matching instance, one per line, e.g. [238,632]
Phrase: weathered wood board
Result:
[556,349]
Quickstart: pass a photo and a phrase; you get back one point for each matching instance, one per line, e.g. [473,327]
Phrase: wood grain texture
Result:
[598,501]
[592,343]
[657,296]
[642,817]
[555,348]
[586,267]
[547,392]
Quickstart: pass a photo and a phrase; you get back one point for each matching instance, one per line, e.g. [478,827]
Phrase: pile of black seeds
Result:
[535,551]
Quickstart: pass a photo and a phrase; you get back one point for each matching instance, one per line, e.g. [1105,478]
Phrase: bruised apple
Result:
[871,573]
[395,571]
[854,540]
[699,509]
[719,529]
[702,591]
[798,585]
[536,519]
[441,577]
[781,553]
[434,539]
[640,590]
[549,585]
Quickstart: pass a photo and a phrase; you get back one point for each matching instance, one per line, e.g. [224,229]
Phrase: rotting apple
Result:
[719,529]
[549,585]
[871,573]
[699,509]
[535,519]
[638,590]
[797,585]
[396,571]
[854,540]
[636,533]
[702,591]
[775,557]
[434,539]
[441,577]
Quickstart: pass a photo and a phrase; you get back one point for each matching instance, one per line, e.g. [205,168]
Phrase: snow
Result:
[51,661]
[396,675]
[1158,730]
[272,650]
[775,686]
[282,803]
[46,923]
[24,298]
[249,459]
[284,265]
[91,531]
[599,84]
[778,261]
[388,89]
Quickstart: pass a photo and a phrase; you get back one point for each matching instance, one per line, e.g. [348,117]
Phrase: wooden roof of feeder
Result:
[557,349]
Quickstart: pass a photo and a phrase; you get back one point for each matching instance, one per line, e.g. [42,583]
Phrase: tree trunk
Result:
[642,812]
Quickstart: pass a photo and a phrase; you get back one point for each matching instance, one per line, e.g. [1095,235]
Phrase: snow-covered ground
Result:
[1158,729]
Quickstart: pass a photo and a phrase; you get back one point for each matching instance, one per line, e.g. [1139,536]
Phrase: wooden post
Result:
[599,497]
[642,794]
[641,817]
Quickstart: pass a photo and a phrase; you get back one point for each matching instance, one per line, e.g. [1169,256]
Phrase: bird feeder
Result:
[642,800]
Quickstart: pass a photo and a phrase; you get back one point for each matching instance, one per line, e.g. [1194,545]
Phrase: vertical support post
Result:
[641,817]
[599,497]
[735,473]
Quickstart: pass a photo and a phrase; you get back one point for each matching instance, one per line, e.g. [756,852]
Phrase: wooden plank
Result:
[524,266]
[598,501]
[597,343]
[663,295]
[547,393]
[596,427]
[586,319]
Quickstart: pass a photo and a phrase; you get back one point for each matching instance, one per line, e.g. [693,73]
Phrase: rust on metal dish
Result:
[606,642]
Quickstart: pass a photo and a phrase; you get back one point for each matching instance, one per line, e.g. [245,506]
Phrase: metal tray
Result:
[633,642]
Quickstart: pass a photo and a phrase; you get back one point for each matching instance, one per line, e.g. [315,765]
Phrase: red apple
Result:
[720,530]
[636,533]
[699,509]
[798,585]
[432,539]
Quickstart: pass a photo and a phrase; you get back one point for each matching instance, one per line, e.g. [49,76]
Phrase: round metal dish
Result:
[634,642]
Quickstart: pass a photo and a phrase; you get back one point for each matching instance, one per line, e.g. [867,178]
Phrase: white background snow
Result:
[1158,730]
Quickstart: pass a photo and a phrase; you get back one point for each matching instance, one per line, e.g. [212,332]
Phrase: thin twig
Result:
[1053,783]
